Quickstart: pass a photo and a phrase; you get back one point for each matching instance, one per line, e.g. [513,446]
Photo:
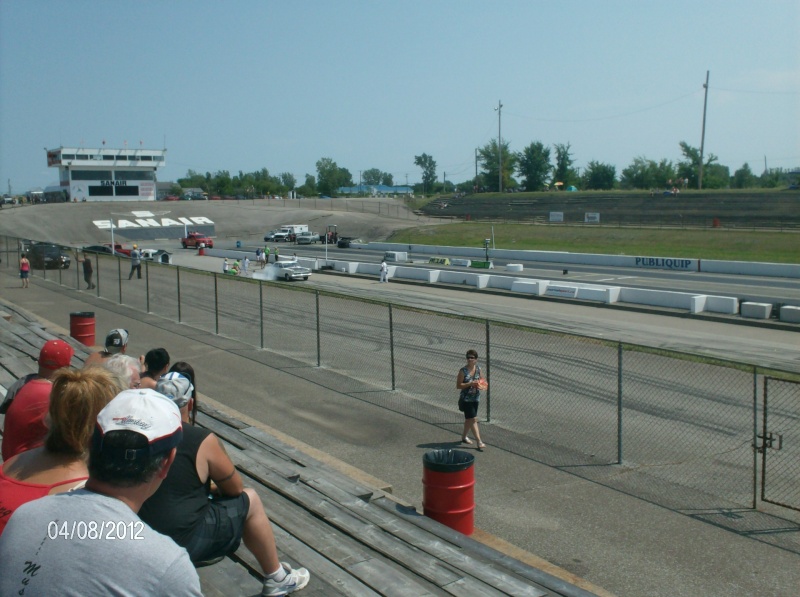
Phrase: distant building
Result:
[87,174]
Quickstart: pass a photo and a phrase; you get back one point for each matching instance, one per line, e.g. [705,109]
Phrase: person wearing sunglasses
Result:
[470,381]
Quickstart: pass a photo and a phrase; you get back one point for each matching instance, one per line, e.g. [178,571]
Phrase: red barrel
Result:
[201,250]
[81,327]
[449,489]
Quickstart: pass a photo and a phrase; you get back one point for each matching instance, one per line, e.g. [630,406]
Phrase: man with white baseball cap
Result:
[91,541]
[213,528]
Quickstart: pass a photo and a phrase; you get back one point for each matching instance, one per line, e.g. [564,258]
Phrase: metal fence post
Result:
[488,369]
[391,342]
[319,335]
[119,276]
[619,403]
[216,307]
[261,310]
[147,284]
[178,272]
[754,443]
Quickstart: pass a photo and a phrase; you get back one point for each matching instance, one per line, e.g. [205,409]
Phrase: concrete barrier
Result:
[748,268]
[514,267]
[728,305]
[536,287]
[561,291]
[414,273]
[756,310]
[790,314]
[461,262]
[659,298]
[470,279]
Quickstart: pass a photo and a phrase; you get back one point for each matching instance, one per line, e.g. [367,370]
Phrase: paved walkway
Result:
[615,541]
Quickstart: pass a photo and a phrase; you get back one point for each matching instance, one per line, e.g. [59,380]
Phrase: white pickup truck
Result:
[306,238]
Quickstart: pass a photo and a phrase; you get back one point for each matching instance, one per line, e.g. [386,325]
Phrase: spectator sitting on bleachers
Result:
[60,465]
[23,427]
[211,528]
[187,371]
[116,343]
[127,369]
[156,363]
[90,541]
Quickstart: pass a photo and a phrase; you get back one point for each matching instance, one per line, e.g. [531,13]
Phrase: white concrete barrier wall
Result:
[660,298]
[790,314]
[467,278]
[722,304]
[415,273]
[783,270]
[756,310]
[536,287]
[747,268]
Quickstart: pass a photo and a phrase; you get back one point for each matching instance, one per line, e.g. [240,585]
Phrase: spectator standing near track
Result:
[276,254]
[212,528]
[136,262]
[61,543]
[469,381]
[25,270]
[88,269]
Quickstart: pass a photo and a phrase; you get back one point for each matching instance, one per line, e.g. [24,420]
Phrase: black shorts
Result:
[220,531]
[471,409]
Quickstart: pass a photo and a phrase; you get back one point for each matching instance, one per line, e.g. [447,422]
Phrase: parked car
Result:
[344,242]
[291,270]
[195,239]
[43,256]
[97,249]
[270,236]
[306,238]
[280,237]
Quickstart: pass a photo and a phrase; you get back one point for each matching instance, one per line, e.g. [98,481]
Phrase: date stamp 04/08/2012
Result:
[96,530]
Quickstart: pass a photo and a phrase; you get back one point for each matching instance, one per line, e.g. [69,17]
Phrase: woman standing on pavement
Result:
[24,270]
[470,381]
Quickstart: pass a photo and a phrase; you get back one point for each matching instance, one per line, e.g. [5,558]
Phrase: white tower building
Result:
[104,174]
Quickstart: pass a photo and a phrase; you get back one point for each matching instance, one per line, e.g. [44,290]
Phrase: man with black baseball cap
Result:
[134,445]
[116,343]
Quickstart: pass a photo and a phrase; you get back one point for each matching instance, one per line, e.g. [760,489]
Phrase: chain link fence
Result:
[676,429]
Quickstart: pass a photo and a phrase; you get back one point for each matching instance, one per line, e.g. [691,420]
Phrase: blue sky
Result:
[245,84]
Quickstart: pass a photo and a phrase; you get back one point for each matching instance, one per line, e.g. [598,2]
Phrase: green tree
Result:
[600,177]
[330,177]
[647,174]
[744,178]
[309,187]
[387,179]
[371,176]
[287,180]
[563,171]
[689,168]
[195,180]
[533,166]
[489,157]
[428,165]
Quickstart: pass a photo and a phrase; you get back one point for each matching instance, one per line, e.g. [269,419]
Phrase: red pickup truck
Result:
[195,239]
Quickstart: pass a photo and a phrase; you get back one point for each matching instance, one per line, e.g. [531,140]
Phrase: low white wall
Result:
[414,273]
[660,298]
[747,268]
[536,287]
[790,314]
[783,270]
[756,310]
[728,305]
[468,278]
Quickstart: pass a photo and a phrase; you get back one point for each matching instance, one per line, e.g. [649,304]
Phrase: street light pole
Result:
[499,109]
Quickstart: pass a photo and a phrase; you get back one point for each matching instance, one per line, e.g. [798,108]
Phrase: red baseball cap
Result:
[55,354]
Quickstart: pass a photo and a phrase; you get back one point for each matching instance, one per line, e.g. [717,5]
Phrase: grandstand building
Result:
[104,174]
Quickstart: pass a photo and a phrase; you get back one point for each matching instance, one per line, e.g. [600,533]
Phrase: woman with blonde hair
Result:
[60,464]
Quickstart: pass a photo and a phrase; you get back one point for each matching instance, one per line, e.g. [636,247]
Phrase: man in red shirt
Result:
[24,426]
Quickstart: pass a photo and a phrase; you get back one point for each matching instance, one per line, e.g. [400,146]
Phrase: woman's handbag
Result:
[461,405]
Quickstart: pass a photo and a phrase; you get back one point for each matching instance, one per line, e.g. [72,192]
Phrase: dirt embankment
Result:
[74,223]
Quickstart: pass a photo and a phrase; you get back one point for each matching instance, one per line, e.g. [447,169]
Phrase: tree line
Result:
[537,167]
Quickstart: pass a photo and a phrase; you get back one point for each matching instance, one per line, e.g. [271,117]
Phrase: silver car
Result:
[291,270]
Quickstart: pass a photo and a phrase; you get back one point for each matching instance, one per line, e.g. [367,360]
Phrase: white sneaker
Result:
[294,581]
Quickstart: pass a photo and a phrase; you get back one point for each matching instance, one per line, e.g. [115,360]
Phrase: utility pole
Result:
[499,109]
[444,182]
[476,165]
[703,135]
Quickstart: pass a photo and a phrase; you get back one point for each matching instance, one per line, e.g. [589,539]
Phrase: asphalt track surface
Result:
[625,544]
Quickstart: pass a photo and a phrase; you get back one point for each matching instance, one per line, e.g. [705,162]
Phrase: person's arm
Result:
[461,384]
[220,468]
